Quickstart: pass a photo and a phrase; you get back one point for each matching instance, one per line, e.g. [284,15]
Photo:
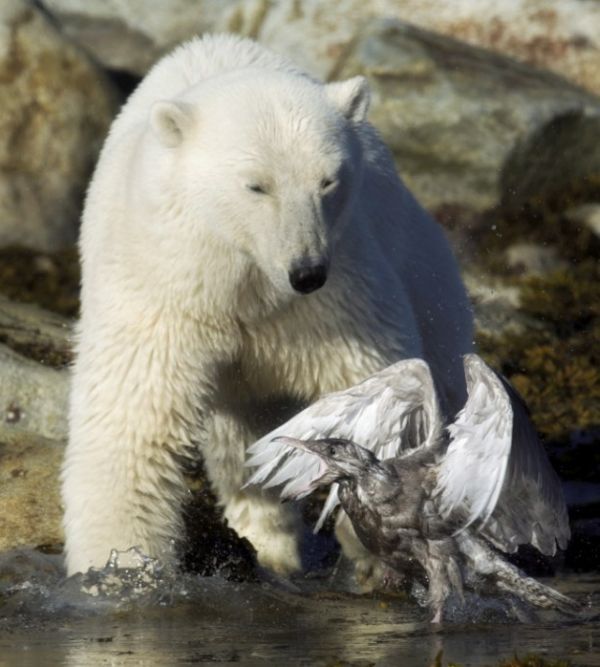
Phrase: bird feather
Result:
[385,413]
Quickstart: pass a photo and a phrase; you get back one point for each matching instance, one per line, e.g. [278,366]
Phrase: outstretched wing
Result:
[496,473]
[392,410]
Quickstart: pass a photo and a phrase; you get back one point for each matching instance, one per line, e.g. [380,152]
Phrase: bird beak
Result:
[326,474]
[304,445]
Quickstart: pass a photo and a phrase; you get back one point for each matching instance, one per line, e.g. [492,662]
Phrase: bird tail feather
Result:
[512,580]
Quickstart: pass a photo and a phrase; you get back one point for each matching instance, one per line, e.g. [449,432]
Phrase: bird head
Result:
[340,460]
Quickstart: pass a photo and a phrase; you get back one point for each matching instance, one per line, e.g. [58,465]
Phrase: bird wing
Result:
[496,473]
[389,412]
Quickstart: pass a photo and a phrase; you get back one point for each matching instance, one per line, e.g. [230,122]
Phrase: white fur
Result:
[189,324]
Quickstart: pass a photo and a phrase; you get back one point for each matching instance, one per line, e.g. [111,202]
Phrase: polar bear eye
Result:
[327,184]
[257,188]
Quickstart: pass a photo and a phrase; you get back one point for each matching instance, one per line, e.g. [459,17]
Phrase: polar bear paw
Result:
[271,528]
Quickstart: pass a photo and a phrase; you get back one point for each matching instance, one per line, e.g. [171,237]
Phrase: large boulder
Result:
[132,35]
[560,35]
[468,127]
[55,109]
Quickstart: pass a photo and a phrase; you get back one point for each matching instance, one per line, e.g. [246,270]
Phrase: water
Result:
[152,619]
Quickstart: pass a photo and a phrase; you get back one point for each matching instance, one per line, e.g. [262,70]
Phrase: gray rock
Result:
[33,397]
[35,346]
[56,108]
[467,126]
[563,36]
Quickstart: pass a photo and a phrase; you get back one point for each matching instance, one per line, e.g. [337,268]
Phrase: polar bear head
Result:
[269,162]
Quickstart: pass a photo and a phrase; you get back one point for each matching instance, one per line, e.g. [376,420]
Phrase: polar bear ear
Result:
[351,97]
[170,121]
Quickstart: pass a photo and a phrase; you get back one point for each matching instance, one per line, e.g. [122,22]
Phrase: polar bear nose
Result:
[306,279]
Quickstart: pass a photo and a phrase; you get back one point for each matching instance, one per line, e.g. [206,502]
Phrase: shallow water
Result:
[153,620]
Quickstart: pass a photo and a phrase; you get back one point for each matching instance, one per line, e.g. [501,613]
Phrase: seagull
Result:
[450,500]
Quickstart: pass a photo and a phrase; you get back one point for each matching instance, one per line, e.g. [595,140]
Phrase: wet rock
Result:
[132,35]
[30,510]
[50,131]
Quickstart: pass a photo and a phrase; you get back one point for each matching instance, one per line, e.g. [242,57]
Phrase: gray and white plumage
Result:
[419,492]
[391,411]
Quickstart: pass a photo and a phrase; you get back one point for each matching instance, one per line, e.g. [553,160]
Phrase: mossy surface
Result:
[531,660]
[556,368]
[534,661]
[555,365]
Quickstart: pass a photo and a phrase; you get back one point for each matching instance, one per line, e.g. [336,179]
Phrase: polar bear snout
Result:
[307,278]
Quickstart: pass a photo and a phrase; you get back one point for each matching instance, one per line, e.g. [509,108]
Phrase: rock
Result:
[35,333]
[132,35]
[466,125]
[33,397]
[34,348]
[30,510]
[561,154]
[56,108]
[532,258]
[562,35]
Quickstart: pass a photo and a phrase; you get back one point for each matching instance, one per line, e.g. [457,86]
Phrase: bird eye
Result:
[257,188]
[332,450]
[327,184]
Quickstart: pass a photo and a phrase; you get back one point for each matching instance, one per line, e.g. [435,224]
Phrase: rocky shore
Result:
[504,152]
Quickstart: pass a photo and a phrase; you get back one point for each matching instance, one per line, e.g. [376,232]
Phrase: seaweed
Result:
[554,364]
[530,660]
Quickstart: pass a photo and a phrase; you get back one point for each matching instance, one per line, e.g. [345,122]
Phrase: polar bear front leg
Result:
[272,528]
[136,397]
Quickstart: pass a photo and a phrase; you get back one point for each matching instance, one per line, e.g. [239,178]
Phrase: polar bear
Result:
[246,244]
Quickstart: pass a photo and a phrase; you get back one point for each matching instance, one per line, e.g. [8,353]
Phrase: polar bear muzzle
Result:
[306,279]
